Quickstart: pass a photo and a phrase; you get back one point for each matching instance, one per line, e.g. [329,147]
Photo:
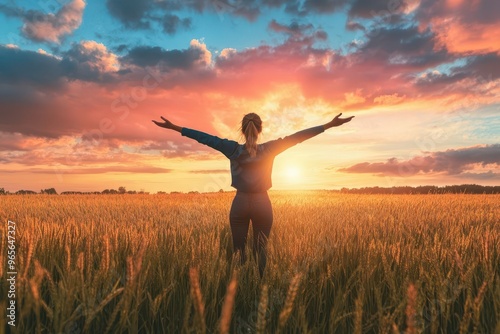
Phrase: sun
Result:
[293,173]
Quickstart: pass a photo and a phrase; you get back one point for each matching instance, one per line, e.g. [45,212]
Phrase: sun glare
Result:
[293,173]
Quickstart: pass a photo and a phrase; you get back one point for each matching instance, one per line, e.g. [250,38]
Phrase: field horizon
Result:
[401,189]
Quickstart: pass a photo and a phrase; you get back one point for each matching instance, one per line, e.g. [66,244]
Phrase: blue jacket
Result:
[251,174]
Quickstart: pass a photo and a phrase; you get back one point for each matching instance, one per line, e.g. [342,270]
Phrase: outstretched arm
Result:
[225,146]
[279,145]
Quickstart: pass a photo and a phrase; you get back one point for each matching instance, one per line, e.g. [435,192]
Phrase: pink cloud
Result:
[52,27]
[465,38]
[96,170]
[451,162]
[463,26]
[98,56]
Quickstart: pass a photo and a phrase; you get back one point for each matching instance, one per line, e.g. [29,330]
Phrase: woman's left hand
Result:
[166,124]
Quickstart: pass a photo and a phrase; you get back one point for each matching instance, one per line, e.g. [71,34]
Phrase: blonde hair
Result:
[251,126]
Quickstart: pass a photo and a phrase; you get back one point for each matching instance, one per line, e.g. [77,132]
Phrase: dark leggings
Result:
[255,207]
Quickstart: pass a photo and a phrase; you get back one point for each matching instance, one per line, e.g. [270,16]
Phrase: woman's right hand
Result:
[337,121]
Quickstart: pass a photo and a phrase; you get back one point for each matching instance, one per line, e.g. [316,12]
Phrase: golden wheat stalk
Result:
[465,321]
[130,271]
[486,246]
[227,307]
[155,304]
[139,258]
[29,254]
[52,284]
[68,258]
[411,310]
[358,314]
[290,297]
[197,297]
[105,261]
[459,263]
[80,263]
[261,318]
[100,307]
[34,290]
[478,301]
[2,261]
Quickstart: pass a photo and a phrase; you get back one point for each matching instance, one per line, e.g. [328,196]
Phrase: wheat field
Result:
[337,264]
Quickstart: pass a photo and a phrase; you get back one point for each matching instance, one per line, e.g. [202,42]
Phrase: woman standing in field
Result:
[251,167]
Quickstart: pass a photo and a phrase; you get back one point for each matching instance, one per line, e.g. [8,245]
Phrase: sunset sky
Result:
[80,82]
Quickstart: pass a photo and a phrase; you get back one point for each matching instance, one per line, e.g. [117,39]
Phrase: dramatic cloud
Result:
[27,67]
[490,175]
[209,171]
[90,61]
[463,26]
[451,162]
[97,170]
[139,14]
[372,8]
[110,169]
[407,46]
[172,23]
[130,12]
[322,6]
[352,26]
[78,93]
[299,33]
[293,29]
[183,59]
[95,55]
[49,27]
[480,73]
[87,61]
[16,142]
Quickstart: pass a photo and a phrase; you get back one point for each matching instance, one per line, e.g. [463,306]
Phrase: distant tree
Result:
[221,190]
[2,191]
[161,193]
[132,192]
[25,192]
[49,191]
[122,190]
[175,192]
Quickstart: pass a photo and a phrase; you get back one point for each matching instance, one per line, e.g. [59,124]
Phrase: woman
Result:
[251,167]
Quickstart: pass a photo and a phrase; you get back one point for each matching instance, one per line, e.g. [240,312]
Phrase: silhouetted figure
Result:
[251,168]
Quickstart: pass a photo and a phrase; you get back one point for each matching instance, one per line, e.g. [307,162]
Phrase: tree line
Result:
[454,189]
[52,191]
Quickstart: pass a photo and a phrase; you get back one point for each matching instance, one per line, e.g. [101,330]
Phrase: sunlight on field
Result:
[337,263]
